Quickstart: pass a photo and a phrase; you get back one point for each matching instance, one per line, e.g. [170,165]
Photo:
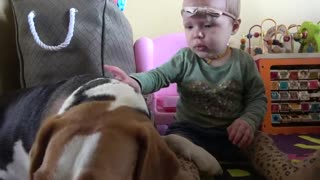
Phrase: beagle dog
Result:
[89,128]
[91,141]
[101,130]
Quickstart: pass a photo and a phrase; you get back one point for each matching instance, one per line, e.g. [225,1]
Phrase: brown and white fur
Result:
[91,142]
[102,130]
[98,139]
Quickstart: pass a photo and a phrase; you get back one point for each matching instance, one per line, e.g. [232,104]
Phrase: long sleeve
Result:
[155,79]
[255,101]
[211,96]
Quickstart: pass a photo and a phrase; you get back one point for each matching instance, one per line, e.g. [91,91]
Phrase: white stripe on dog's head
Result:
[118,93]
[76,156]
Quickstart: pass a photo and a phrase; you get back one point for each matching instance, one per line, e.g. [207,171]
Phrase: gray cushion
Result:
[102,35]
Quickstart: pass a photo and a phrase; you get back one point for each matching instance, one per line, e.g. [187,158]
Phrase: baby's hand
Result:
[240,133]
[120,75]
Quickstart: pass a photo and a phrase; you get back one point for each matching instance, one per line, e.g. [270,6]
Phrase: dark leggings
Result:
[214,140]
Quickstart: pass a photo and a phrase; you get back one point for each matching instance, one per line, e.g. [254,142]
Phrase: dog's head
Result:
[106,89]
[91,142]
[102,131]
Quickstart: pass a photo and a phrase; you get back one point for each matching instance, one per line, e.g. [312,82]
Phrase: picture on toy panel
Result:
[295,95]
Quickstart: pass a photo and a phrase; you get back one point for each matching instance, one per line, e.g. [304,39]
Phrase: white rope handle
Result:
[60,46]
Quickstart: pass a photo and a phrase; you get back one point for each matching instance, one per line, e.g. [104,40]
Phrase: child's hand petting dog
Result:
[122,76]
[184,147]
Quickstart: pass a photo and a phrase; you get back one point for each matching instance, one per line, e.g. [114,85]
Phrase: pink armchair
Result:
[149,54]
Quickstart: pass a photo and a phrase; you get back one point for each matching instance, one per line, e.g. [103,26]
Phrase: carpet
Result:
[296,146]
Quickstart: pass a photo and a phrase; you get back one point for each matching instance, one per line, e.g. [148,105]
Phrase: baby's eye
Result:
[188,27]
[208,25]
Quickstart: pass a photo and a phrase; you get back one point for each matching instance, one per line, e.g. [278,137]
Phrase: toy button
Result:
[294,95]
[295,107]
[304,95]
[284,74]
[313,84]
[284,85]
[275,118]
[303,84]
[313,74]
[315,107]
[293,84]
[274,85]
[284,95]
[306,118]
[275,107]
[303,74]
[295,118]
[275,95]
[305,107]
[274,75]
[293,75]
[285,119]
[284,107]
[315,116]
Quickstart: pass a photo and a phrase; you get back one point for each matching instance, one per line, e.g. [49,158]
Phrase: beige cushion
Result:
[9,65]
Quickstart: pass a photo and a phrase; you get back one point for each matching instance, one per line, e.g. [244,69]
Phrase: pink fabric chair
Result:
[151,53]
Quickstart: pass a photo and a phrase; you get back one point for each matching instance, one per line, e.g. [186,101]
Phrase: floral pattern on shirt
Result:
[217,100]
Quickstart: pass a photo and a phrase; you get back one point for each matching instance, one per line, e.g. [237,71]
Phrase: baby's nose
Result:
[199,34]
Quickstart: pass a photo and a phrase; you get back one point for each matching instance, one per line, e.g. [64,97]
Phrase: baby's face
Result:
[207,33]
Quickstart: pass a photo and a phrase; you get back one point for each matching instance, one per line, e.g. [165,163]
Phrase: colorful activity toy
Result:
[309,37]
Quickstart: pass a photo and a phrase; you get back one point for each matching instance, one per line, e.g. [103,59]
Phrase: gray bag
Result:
[63,38]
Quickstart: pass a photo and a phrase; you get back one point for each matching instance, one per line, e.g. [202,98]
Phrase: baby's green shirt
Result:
[211,96]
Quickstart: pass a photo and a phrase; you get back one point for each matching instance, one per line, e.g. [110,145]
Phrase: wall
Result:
[155,17]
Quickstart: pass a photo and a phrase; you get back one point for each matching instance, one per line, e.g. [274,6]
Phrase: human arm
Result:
[241,131]
[122,76]
[153,80]
[170,72]
[146,82]
[255,100]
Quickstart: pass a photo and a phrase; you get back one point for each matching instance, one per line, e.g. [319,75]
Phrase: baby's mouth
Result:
[200,47]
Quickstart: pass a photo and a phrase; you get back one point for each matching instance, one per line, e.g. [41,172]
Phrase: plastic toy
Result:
[292,89]
[273,44]
[121,4]
[267,41]
[283,44]
[243,43]
[309,37]
[295,37]
[257,50]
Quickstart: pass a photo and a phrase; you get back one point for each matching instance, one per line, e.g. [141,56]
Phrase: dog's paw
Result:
[179,145]
[205,161]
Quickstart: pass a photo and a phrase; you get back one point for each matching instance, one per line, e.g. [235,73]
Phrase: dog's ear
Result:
[38,149]
[155,161]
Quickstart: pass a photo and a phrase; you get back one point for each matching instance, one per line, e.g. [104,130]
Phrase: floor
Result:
[297,147]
